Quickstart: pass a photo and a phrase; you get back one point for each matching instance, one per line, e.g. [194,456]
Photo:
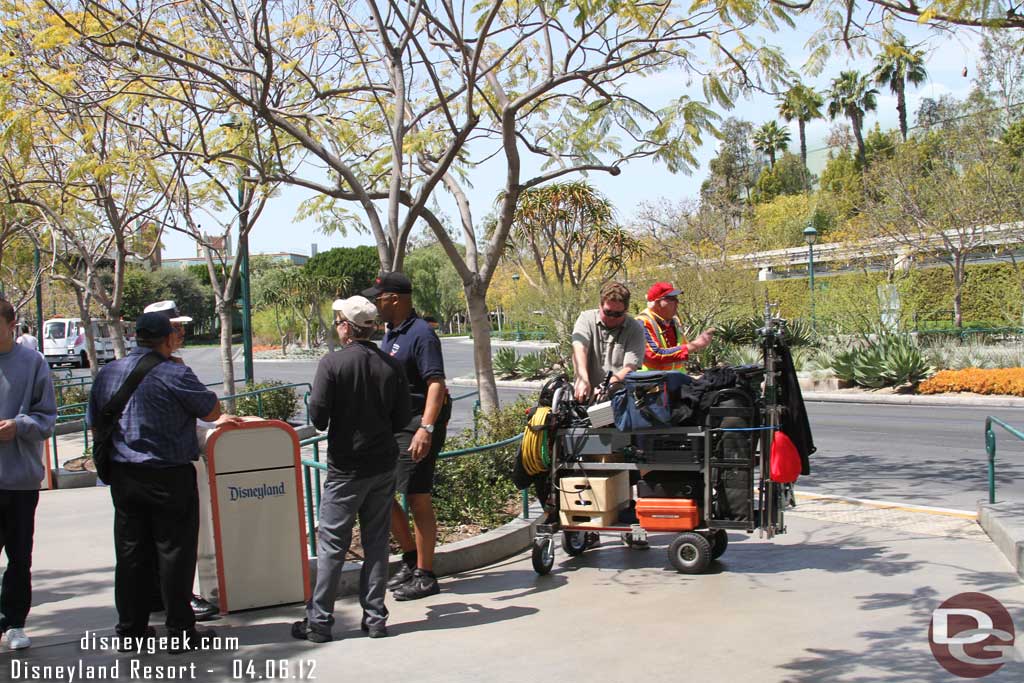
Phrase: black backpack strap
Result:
[111,412]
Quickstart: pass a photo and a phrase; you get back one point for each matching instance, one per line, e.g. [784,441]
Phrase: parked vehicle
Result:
[64,341]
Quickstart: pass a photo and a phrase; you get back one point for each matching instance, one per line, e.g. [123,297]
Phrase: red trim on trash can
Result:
[47,482]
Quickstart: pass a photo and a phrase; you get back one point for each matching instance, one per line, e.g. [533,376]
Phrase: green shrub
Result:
[71,394]
[277,405]
[506,362]
[476,488]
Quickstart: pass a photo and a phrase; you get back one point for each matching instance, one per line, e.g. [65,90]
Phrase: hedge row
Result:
[991,297]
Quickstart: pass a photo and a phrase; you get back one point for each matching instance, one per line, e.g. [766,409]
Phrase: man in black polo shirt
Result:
[413,343]
[361,398]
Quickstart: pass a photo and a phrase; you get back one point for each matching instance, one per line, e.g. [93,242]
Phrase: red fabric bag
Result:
[785,462]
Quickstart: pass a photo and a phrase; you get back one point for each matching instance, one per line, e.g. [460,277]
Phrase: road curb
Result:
[461,556]
[975,400]
[1002,523]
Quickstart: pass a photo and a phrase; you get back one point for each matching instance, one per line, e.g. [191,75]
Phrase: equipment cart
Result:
[722,481]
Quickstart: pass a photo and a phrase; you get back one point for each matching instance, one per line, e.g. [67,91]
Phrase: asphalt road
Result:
[913,454]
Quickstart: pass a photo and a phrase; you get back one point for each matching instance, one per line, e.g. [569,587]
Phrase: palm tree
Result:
[852,96]
[771,138]
[896,66]
[801,104]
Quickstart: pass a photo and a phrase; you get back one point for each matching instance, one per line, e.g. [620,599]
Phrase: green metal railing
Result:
[990,449]
[311,470]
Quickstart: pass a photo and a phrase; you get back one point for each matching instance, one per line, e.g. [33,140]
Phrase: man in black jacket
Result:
[361,397]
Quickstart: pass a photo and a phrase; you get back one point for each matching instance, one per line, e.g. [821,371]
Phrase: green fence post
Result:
[990,448]
[316,475]
[310,533]
[259,404]
[526,504]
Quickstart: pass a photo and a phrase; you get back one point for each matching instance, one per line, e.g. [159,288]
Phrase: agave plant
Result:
[869,367]
[506,362]
[903,362]
[743,355]
[843,364]
[799,333]
[738,332]
[532,366]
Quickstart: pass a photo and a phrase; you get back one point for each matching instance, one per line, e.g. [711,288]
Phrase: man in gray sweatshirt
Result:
[28,411]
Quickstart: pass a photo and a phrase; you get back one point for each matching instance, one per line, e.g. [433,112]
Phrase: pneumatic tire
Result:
[690,553]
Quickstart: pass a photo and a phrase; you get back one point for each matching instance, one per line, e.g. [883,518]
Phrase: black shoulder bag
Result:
[106,422]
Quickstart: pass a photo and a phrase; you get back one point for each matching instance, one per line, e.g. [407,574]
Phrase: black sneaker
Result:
[191,640]
[401,577]
[378,631]
[302,631]
[422,584]
[203,609]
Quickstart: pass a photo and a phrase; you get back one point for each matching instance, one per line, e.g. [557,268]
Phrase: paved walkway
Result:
[846,595]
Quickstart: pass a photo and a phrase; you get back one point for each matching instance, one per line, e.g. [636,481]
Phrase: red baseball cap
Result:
[660,290]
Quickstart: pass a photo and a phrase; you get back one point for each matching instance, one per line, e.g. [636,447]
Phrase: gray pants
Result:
[342,500]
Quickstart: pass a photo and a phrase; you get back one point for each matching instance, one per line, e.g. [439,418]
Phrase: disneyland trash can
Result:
[252,540]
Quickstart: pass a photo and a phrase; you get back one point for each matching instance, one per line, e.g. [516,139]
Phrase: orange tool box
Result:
[667,514]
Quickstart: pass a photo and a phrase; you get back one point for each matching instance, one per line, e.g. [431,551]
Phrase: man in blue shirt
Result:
[153,483]
[412,342]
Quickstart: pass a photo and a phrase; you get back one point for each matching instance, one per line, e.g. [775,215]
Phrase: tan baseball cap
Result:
[356,309]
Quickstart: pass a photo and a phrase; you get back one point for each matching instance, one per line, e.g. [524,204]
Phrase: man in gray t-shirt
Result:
[606,339]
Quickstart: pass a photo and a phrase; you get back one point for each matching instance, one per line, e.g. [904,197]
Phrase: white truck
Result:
[64,341]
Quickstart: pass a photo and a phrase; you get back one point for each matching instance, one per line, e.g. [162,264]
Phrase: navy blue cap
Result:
[397,283]
[153,326]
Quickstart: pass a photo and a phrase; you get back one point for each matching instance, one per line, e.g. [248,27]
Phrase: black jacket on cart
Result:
[793,420]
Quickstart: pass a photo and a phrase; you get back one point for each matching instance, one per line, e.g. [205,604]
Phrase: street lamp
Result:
[515,282]
[811,236]
[235,123]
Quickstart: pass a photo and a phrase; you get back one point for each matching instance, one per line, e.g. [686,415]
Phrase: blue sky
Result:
[642,181]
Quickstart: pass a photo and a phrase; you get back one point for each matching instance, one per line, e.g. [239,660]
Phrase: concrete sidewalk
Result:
[846,595]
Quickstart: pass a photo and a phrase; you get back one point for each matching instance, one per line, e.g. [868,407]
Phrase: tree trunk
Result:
[480,324]
[227,365]
[328,331]
[117,334]
[90,341]
[901,108]
[958,286]
[802,125]
[861,154]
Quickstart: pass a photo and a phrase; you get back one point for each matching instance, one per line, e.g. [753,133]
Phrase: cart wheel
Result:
[627,538]
[690,553]
[574,542]
[543,555]
[719,542]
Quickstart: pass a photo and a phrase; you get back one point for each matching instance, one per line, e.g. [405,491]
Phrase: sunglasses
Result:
[673,299]
[613,314]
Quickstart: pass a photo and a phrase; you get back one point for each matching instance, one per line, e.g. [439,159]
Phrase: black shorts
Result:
[418,477]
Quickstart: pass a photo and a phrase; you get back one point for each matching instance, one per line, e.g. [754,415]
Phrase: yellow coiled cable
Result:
[536,458]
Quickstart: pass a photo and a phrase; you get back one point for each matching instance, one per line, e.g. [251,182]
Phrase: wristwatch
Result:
[429,428]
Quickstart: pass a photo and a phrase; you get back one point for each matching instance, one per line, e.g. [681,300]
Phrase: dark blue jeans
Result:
[17,527]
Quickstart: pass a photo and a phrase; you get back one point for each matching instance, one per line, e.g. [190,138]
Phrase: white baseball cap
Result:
[357,309]
[168,308]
